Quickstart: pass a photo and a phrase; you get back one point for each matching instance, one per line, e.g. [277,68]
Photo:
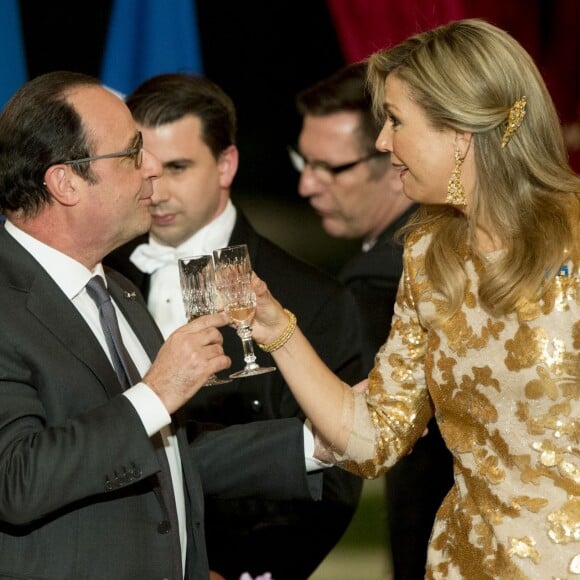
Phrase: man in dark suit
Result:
[189,123]
[98,477]
[359,195]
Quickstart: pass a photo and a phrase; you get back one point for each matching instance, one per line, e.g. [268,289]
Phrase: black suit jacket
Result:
[78,497]
[373,277]
[256,535]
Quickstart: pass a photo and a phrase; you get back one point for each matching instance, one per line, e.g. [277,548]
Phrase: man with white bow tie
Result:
[189,124]
[158,260]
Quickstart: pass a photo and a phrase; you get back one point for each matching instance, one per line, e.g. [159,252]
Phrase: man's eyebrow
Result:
[182,162]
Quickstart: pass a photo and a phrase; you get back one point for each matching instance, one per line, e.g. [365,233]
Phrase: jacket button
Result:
[164,527]
[256,405]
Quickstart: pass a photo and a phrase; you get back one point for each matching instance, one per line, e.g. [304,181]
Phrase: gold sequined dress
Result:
[505,393]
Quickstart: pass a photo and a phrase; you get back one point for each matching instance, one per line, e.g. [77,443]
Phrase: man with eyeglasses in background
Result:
[358,194]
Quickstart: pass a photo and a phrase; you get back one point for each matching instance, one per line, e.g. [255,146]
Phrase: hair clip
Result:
[515,117]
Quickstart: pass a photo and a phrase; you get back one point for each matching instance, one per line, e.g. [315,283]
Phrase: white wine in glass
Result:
[233,271]
[197,278]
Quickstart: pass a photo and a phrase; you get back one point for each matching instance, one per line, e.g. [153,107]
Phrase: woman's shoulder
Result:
[418,239]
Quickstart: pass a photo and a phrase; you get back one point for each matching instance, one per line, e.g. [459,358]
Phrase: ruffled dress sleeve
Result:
[387,420]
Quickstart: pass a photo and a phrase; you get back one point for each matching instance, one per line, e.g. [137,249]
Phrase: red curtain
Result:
[364,26]
[548,29]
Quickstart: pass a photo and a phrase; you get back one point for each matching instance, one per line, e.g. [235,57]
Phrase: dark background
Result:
[263,52]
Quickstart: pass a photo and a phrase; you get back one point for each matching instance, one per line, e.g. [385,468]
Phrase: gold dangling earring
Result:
[455,191]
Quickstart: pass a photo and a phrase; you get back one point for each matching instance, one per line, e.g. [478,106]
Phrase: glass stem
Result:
[245,333]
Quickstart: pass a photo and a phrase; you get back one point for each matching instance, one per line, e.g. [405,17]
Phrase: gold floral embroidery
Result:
[549,454]
[565,523]
[524,350]
[524,548]
[533,504]
[528,311]
[576,335]
[528,474]
[488,466]
[542,387]
[462,337]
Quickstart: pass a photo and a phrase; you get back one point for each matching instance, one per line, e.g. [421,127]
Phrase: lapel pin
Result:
[129,295]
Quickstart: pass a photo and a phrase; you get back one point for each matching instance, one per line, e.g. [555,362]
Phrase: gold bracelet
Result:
[284,336]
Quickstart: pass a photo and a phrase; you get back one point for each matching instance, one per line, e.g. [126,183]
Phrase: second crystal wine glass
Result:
[233,271]
[197,278]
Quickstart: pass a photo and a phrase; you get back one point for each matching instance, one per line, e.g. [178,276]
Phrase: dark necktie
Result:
[128,376]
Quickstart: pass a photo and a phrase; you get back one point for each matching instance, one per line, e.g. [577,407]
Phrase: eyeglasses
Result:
[324,171]
[135,153]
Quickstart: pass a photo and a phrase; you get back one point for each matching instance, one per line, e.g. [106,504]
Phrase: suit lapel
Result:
[243,233]
[45,300]
[57,313]
[135,310]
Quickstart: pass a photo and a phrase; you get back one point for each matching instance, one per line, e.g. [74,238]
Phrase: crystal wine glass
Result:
[233,271]
[197,278]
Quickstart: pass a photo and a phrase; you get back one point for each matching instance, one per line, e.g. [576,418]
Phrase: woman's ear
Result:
[60,182]
[463,142]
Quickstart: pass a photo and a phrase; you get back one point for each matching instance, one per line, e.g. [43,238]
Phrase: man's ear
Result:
[61,184]
[228,165]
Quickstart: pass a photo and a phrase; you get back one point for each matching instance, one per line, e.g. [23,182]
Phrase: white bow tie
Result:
[150,258]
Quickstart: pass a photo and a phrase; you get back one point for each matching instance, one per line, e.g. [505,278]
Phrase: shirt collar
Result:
[70,276]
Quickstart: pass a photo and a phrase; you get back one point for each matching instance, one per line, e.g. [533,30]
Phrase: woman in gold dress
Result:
[486,331]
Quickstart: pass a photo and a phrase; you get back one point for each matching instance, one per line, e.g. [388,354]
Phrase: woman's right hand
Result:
[301,367]
[270,319]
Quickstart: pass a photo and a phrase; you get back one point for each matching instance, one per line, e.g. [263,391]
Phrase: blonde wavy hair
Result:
[466,75]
